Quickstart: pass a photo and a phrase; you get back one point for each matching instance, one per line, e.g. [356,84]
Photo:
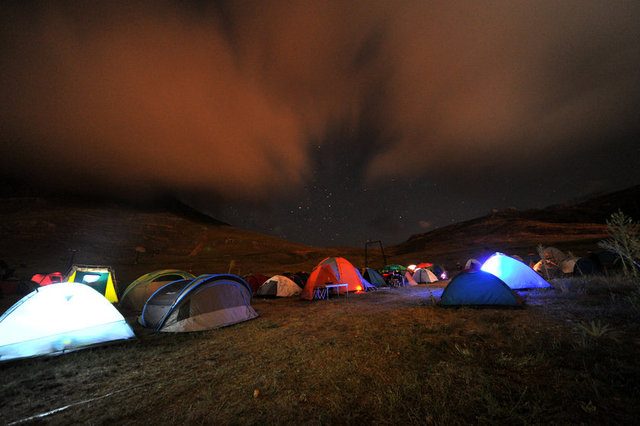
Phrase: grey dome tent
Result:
[374,278]
[207,302]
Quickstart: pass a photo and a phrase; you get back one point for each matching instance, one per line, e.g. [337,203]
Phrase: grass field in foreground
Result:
[570,355]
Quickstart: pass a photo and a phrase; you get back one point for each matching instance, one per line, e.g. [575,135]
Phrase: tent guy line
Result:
[75,404]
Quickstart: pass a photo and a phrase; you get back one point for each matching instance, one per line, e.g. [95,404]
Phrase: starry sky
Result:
[325,123]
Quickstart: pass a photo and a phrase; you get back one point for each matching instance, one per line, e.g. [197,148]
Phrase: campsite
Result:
[392,355]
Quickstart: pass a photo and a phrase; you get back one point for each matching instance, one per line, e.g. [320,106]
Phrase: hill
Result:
[45,235]
[572,227]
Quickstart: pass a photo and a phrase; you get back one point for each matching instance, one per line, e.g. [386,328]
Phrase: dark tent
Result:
[207,302]
[585,266]
[255,281]
[374,277]
[478,288]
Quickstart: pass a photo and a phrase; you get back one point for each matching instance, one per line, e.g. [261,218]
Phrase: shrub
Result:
[625,242]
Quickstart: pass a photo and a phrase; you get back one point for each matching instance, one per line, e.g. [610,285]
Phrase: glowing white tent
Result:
[514,273]
[59,318]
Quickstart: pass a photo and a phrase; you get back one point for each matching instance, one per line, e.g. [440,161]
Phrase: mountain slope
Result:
[576,228]
[44,235]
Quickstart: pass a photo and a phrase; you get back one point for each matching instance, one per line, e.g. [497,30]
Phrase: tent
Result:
[424,276]
[46,279]
[585,266]
[513,272]
[279,286]
[408,279]
[299,277]
[374,277]
[478,288]
[472,265]
[531,259]
[392,268]
[204,303]
[255,281]
[59,318]
[439,271]
[100,278]
[335,270]
[139,291]
[321,275]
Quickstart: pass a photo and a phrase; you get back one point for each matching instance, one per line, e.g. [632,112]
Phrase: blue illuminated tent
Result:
[59,318]
[207,302]
[514,273]
[478,288]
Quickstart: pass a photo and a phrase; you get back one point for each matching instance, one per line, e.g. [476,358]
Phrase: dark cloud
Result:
[399,110]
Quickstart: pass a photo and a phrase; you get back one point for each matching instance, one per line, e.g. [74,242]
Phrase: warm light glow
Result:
[412,267]
[359,288]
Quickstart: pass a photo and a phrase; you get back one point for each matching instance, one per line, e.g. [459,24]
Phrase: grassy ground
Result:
[569,356]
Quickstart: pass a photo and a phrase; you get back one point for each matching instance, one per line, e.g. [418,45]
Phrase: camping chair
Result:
[320,293]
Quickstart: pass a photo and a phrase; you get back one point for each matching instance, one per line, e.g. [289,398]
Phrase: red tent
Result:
[46,279]
[255,281]
[335,270]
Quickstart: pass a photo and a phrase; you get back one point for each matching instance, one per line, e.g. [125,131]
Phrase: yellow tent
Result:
[100,278]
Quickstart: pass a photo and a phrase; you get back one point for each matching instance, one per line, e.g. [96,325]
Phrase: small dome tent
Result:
[139,291]
[59,318]
[424,276]
[374,278]
[334,270]
[100,278]
[585,266]
[513,272]
[207,302]
[472,265]
[279,286]
[478,288]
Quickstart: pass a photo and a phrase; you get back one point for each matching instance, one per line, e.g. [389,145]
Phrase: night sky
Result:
[323,122]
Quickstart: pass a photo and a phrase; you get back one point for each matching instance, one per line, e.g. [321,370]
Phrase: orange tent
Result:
[334,270]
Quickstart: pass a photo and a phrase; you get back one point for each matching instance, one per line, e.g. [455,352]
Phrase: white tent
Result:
[424,276]
[279,286]
[59,318]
